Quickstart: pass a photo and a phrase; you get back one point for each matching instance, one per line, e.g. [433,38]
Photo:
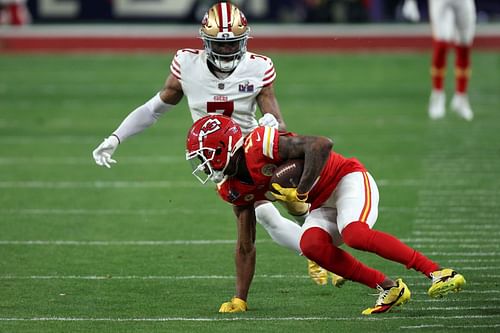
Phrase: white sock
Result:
[283,231]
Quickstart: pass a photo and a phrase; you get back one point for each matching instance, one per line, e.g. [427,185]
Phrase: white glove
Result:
[410,11]
[102,154]
[268,120]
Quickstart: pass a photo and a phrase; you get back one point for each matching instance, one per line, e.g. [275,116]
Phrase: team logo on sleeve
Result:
[268,170]
[245,87]
[233,195]
[249,197]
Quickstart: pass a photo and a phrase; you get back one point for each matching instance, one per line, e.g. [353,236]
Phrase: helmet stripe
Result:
[219,14]
[229,7]
[224,15]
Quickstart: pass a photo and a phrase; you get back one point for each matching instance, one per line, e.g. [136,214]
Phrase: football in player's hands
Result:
[288,174]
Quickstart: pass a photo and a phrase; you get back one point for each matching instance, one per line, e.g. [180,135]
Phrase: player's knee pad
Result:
[313,241]
[357,235]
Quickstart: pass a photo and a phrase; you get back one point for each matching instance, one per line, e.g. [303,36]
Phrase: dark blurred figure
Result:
[317,11]
[286,10]
[14,12]
[95,10]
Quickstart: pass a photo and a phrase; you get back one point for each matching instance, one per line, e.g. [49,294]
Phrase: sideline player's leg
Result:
[465,22]
[441,17]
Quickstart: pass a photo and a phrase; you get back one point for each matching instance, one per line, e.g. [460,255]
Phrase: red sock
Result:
[462,68]
[359,236]
[440,49]
[316,244]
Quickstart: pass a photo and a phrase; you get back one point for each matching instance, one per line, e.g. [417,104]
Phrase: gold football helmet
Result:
[224,31]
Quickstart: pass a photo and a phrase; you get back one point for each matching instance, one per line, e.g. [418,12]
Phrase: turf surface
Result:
[143,247]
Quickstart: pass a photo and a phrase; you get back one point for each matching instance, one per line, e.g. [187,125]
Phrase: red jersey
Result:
[262,158]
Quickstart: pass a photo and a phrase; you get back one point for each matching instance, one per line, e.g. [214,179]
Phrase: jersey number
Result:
[226,108]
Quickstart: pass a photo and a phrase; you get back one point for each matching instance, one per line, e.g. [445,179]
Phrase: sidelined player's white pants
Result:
[453,20]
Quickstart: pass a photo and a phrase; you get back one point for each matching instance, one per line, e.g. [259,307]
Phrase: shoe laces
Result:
[317,270]
[439,276]
[382,295]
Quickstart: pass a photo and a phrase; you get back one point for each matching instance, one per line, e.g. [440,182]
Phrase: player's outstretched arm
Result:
[244,259]
[138,120]
[268,105]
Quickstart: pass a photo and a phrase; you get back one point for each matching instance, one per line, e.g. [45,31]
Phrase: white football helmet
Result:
[225,32]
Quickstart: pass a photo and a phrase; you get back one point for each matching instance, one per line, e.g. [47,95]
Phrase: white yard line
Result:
[85,211]
[215,319]
[418,327]
[32,184]
[423,282]
[97,184]
[74,160]
[40,242]
[124,243]
[443,235]
[82,211]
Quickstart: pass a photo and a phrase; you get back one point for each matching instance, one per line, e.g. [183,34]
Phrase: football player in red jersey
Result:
[223,78]
[343,198]
[453,25]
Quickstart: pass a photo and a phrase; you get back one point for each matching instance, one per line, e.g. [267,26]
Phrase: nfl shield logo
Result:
[221,86]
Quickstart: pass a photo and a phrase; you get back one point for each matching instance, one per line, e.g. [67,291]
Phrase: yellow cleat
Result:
[388,298]
[445,281]
[337,280]
[318,274]
[234,305]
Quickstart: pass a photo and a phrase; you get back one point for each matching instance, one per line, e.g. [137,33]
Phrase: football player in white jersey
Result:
[222,78]
[453,24]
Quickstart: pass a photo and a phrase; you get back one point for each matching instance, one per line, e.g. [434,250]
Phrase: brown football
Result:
[288,174]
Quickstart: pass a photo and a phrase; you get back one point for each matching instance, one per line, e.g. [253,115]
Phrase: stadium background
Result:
[143,247]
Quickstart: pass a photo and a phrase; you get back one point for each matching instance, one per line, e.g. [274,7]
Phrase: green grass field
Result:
[143,247]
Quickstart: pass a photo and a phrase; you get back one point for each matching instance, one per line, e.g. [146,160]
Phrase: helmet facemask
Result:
[225,54]
[210,152]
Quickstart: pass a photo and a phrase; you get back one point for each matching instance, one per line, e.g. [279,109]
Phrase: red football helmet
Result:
[211,142]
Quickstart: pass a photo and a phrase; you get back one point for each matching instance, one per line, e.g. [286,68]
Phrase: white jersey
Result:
[453,20]
[233,96]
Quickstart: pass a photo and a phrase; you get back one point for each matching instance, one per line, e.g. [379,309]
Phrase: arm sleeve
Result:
[269,74]
[142,117]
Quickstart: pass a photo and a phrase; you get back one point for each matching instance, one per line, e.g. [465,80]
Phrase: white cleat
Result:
[460,105]
[437,104]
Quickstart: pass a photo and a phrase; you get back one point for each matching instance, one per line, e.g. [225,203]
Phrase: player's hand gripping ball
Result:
[284,182]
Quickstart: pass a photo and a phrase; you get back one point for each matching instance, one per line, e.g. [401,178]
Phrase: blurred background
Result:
[265,11]
[280,25]
[144,247]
